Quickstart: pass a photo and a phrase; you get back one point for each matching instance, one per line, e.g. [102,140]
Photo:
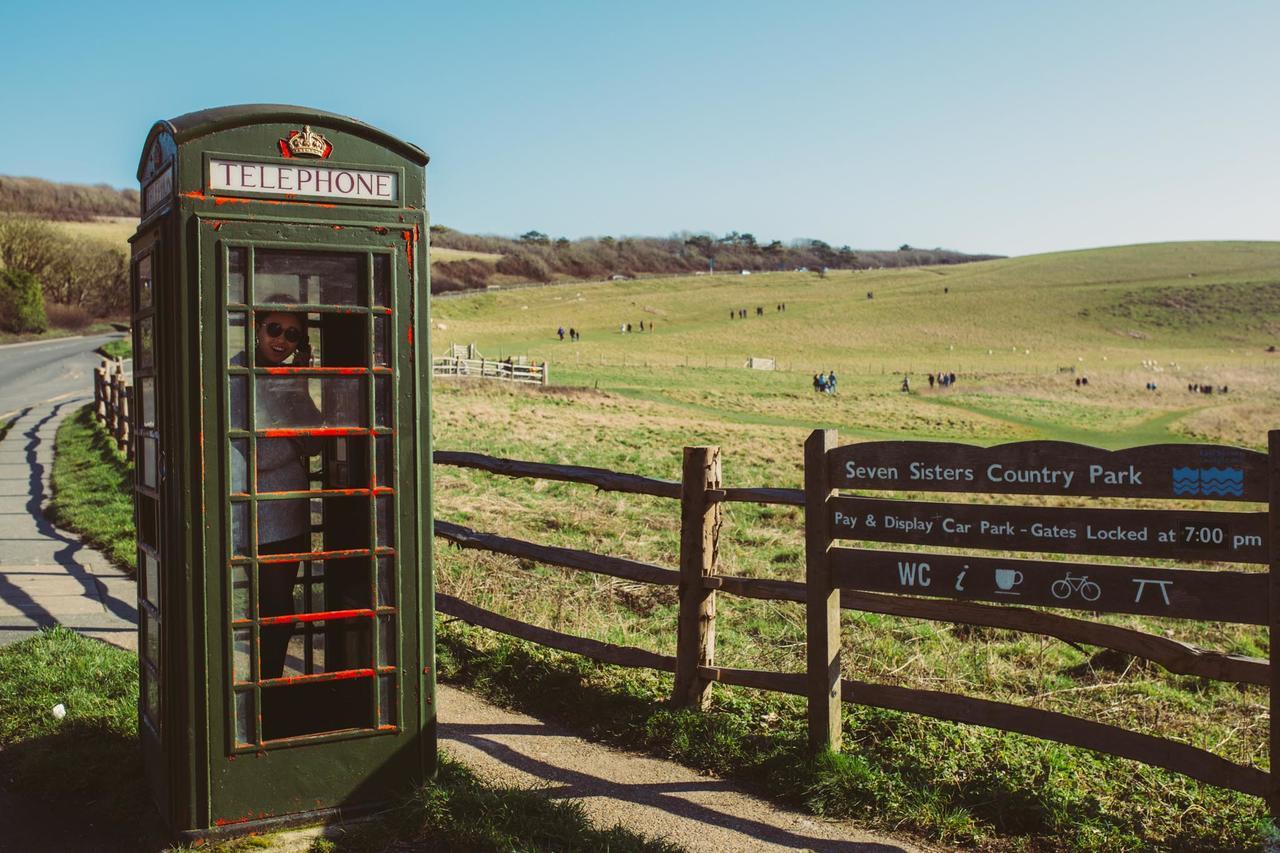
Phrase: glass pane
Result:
[148,520]
[386,641]
[386,582]
[382,402]
[239,466]
[386,700]
[386,530]
[238,416]
[151,697]
[148,462]
[241,645]
[151,579]
[310,278]
[147,400]
[236,325]
[144,282]
[146,343]
[235,274]
[150,638]
[382,280]
[240,529]
[385,460]
[282,525]
[244,717]
[240,591]
[282,466]
[309,402]
[380,351]
[347,463]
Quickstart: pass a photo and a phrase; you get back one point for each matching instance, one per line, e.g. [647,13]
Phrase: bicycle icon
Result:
[1063,587]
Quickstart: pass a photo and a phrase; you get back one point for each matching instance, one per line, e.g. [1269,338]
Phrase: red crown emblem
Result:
[305,141]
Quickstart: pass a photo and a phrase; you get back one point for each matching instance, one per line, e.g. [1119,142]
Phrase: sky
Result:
[996,127]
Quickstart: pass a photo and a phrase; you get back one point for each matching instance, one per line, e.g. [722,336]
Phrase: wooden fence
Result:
[949,587]
[507,371]
[112,403]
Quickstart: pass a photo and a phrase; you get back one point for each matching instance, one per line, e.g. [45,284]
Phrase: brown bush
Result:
[70,317]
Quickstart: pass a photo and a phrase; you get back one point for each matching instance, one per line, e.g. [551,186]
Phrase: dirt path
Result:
[658,798]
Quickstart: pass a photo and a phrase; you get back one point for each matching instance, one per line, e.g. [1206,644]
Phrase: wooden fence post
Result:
[100,392]
[699,536]
[126,419]
[1273,617]
[113,403]
[822,603]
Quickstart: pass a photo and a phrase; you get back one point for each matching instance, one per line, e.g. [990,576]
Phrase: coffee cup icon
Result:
[1007,579]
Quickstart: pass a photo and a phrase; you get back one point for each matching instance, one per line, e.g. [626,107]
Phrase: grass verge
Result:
[93,488]
[947,782]
[91,757]
[122,348]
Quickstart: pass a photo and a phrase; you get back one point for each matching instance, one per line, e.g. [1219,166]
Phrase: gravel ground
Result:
[658,798]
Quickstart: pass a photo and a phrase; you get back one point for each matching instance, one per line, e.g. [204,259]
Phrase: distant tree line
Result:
[78,279]
[67,202]
[535,256]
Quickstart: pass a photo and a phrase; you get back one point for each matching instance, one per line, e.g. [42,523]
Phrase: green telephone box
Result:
[283,477]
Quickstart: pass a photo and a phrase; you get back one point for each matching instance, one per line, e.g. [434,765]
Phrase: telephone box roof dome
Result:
[200,123]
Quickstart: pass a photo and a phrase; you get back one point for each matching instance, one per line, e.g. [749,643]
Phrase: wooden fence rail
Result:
[113,403]
[484,368]
[827,590]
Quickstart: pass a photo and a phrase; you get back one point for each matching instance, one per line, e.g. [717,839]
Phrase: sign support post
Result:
[1273,618]
[822,605]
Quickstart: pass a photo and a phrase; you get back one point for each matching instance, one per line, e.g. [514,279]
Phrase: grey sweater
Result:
[281,461]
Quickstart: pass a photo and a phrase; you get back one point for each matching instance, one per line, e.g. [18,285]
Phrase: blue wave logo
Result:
[1210,482]
[1222,481]
[1186,481]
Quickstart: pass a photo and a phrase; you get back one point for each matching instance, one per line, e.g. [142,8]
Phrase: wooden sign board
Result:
[1173,471]
[1171,534]
[1178,593]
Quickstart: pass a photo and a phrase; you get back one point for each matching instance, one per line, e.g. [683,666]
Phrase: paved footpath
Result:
[47,576]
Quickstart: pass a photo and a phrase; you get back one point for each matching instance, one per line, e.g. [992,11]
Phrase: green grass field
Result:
[1017,333]
[1011,330]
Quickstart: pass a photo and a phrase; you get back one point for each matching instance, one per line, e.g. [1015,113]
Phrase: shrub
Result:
[526,265]
[72,317]
[21,302]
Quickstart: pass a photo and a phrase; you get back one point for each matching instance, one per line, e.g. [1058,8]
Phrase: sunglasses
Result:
[292,334]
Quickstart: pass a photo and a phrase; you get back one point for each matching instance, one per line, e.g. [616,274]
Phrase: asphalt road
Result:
[48,575]
[37,372]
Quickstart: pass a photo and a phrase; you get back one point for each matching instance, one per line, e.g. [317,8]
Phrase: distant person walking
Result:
[906,385]
[560,332]
[831,382]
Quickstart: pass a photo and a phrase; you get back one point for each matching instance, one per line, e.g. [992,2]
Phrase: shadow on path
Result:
[65,547]
[572,784]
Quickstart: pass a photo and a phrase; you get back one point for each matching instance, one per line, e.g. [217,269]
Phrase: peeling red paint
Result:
[326,616]
[226,199]
[313,555]
[321,371]
[411,336]
[336,227]
[408,237]
[343,675]
[222,821]
[323,432]
[379,229]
